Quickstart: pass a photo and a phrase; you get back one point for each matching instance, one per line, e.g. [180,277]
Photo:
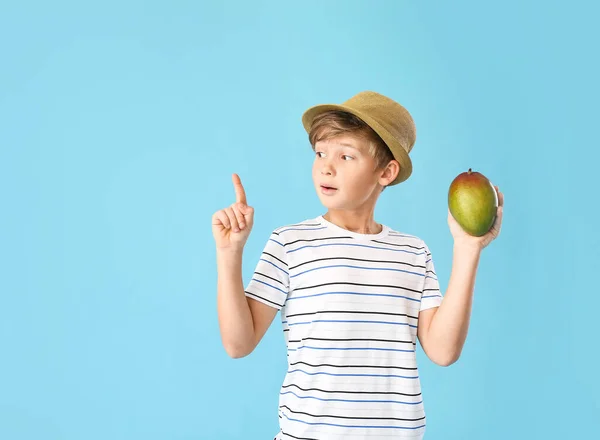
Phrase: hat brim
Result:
[395,147]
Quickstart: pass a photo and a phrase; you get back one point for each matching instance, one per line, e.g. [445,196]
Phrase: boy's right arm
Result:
[243,321]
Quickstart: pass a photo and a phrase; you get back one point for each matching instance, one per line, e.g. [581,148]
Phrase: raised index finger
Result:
[240,194]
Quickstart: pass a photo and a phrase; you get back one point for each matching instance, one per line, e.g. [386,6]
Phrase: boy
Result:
[354,294]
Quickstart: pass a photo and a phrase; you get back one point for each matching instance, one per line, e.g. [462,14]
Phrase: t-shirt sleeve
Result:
[270,281]
[431,295]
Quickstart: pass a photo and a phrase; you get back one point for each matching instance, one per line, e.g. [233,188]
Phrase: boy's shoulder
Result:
[406,237]
[308,224]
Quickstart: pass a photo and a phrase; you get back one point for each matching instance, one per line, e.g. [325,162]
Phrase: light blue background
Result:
[122,122]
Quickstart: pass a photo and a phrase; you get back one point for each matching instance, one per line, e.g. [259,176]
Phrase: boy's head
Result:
[350,157]
[360,147]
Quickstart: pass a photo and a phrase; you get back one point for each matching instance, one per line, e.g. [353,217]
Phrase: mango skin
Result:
[473,202]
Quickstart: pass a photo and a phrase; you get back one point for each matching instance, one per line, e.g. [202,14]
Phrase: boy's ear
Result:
[390,172]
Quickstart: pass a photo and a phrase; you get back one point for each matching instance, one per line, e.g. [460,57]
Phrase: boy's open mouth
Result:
[328,189]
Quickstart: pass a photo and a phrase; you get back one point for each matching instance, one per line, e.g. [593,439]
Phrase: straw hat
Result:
[392,122]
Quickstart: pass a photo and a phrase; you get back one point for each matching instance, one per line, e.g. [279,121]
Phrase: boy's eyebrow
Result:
[345,144]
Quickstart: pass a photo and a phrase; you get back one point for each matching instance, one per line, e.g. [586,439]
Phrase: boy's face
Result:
[344,164]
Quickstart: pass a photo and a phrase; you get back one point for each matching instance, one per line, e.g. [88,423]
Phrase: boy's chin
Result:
[329,203]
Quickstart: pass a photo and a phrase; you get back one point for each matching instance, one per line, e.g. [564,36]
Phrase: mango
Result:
[473,202]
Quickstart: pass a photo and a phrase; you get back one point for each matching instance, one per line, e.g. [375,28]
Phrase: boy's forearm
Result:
[235,318]
[450,324]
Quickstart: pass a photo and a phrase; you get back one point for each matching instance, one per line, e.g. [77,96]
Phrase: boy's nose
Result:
[327,170]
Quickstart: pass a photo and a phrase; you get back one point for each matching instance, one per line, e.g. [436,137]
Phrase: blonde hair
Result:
[334,123]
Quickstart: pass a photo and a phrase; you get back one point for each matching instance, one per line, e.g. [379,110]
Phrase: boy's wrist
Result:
[230,253]
[467,248]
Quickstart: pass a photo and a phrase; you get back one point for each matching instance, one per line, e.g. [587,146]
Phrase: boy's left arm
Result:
[442,330]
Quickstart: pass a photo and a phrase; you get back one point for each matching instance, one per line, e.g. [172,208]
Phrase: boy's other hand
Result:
[461,238]
[231,226]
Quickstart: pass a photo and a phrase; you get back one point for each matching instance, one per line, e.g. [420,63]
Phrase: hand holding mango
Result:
[473,202]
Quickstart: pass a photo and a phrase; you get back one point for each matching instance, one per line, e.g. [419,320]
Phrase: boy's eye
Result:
[344,156]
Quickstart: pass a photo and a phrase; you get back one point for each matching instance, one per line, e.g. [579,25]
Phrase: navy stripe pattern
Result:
[349,307]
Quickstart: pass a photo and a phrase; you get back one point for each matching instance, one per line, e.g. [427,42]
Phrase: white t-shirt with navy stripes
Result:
[349,307]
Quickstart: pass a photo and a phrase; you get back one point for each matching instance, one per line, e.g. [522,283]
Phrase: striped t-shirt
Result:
[349,307]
